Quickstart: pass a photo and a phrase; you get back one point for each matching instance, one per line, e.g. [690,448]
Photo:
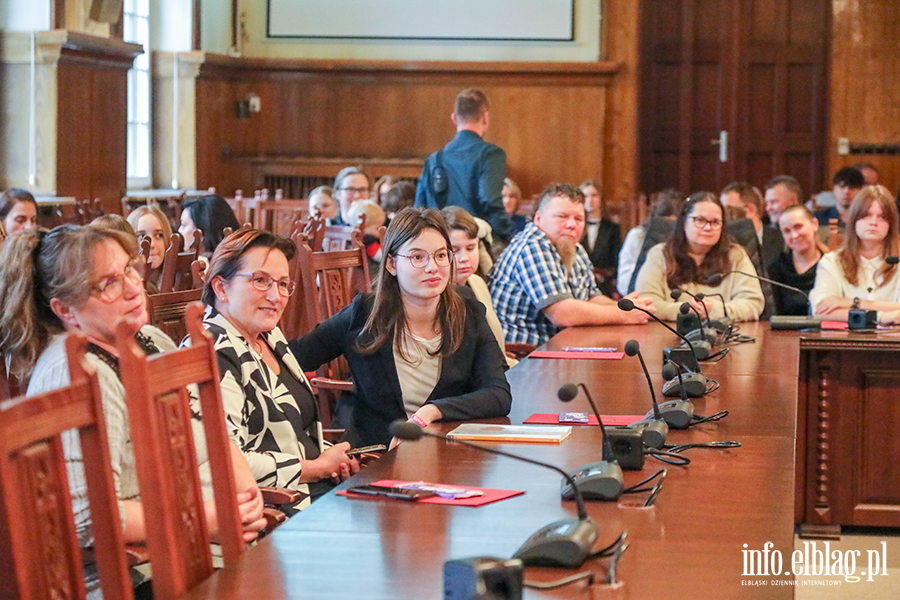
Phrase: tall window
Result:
[137,30]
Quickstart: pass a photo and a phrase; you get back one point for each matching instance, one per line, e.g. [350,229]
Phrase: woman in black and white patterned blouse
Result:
[270,409]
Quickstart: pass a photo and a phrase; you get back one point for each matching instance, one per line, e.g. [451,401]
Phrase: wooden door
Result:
[732,90]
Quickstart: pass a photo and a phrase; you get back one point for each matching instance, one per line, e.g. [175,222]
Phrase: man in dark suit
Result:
[769,242]
[602,238]
[468,172]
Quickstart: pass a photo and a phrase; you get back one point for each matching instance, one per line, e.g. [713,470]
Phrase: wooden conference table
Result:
[691,542]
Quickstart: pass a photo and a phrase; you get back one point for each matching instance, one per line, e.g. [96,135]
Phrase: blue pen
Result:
[584,349]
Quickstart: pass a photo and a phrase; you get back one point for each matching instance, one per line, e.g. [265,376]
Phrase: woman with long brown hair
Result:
[698,249]
[419,347]
[858,274]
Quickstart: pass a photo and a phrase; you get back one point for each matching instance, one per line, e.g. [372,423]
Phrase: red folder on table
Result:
[576,354]
[608,420]
[488,495]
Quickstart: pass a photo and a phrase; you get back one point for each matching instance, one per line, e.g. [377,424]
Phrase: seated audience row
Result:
[85,279]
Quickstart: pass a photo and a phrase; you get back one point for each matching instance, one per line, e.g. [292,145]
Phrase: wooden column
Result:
[80,114]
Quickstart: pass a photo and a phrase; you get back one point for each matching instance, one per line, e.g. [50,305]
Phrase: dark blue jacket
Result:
[475,172]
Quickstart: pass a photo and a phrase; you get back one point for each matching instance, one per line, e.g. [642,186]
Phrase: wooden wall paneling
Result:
[550,118]
[109,137]
[92,119]
[783,61]
[864,85]
[73,145]
[871,495]
[755,69]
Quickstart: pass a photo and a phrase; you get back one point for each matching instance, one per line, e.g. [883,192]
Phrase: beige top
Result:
[418,376]
[743,295]
[480,289]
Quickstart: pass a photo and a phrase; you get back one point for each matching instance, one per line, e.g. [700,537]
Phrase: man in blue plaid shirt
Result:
[544,281]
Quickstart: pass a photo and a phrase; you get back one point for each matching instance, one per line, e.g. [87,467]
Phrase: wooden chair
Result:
[198,273]
[168,475]
[40,556]
[518,350]
[340,237]
[176,273]
[237,204]
[144,252]
[279,216]
[88,210]
[167,311]
[327,282]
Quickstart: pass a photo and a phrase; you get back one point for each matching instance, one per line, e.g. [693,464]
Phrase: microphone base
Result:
[687,323]
[566,543]
[653,430]
[600,480]
[701,349]
[790,323]
[694,386]
[682,356]
[677,413]
[706,335]
[723,325]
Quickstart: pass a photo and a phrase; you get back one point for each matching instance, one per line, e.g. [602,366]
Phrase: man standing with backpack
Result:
[468,172]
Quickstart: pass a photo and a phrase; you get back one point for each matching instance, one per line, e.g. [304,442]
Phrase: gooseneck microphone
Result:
[778,321]
[565,543]
[653,427]
[678,413]
[717,278]
[724,304]
[627,304]
[686,326]
[598,480]
[676,294]
[567,393]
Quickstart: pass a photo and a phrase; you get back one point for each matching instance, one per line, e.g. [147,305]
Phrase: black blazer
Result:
[472,384]
[605,253]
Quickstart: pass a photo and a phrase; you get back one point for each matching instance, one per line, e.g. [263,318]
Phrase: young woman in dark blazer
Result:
[419,347]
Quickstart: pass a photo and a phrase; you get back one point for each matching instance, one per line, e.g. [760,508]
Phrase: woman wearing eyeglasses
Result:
[270,410]
[698,249]
[86,279]
[419,347]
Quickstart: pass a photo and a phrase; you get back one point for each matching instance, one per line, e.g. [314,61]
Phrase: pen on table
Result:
[587,349]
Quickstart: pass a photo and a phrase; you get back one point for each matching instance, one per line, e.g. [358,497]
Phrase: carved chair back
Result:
[40,556]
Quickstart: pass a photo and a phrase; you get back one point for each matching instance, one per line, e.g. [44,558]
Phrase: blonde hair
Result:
[135,216]
[373,213]
[38,265]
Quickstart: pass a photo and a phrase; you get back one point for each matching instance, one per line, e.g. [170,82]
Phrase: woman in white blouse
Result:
[858,274]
